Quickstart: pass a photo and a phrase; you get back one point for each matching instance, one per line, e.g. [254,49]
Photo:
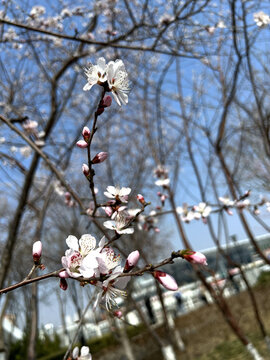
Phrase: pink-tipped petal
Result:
[86,134]
[196,258]
[141,199]
[132,260]
[166,280]
[85,170]
[36,251]
[100,157]
[82,144]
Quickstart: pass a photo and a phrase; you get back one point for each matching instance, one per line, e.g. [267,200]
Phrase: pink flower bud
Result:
[107,101]
[165,280]
[163,198]
[63,284]
[63,274]
[100,157]
[229,211]
[86,134]
[36,251]
[82,144]
[85,170]
[132,260]
[196,258]
[67,196]
[141,199]
[118,313]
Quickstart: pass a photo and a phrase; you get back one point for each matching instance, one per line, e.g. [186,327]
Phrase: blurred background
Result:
[199,108]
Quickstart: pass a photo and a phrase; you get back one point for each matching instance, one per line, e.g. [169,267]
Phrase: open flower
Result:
[202,210]
[163,182]
[30,126]
[111,288]
[120,225]
[184,213]
[118,82]
[78,250]
[117,193]
[96,74]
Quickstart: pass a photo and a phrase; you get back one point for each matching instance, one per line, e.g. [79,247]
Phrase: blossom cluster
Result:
[200,211]
[261,19]
[99,264]
[101,267]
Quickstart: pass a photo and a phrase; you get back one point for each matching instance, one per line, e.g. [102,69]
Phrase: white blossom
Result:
[119,225]
[202,210]
[78,250]
[118,81]
[112,288]
[184,213]
[37,11]
[226,201]
[163,182]
[96,74]
[26,151]
[120,194]
[261,19]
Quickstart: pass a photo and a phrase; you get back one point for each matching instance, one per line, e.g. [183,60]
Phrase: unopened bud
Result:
[100,157]
[82,144]
[141,199]
[132,260]
[165,280]
[63,284]
[85,170]
[107,101]
[163,198]
[86,134]
[67,196]
[118,313]
[63,274]
[36,251]
[195,257]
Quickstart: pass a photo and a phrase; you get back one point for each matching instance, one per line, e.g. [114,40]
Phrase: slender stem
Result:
[31,272]
[29,281]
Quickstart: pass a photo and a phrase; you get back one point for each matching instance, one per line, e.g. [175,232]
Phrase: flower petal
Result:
[72,242]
